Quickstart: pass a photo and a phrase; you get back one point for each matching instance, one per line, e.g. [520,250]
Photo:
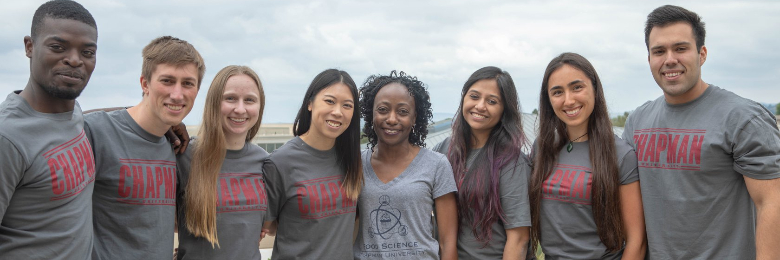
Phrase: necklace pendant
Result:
[569,147]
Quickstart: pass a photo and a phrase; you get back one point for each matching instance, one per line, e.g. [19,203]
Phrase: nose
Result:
[337,112]
[177,92]
[568,99]
[671,59]
[73,58]
[392,119]
[481,105]
[240,108]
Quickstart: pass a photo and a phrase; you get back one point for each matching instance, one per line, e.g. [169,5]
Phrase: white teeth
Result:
[572,112]
[675,74]
[172,107]
[237,120]
[478,116]
[333,124]
[392,132]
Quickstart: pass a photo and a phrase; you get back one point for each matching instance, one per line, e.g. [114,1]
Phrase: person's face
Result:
[394,114]
[62,57]
[240,107]
[482,106]
[331,111]
[675,61]
[170,92]
[572,97]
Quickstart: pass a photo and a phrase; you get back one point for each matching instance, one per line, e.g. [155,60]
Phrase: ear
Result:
[144,85]
[702,55]
[28,46]
[309,107]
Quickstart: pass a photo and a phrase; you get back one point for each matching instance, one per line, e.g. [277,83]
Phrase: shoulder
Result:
[442,146]
[647,107]
[255,149]
[738,107]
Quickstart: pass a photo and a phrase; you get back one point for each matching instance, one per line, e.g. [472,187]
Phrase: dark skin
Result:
[394,116]
[62,58]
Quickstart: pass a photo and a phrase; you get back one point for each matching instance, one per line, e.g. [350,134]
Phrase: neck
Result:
[391,153]
[689,96]
[578,132]
[479,139]
[235,141]
[42,102]
[322,144]
[142,115]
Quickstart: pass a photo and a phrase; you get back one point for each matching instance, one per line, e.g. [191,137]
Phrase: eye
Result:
[230,98]
[330,101]
[403,112]
[88,53]
[681,49]
[492,101]
[57,47]
[579,87]
[658,51]
[556,93]
[249,100]
[347,106]
[381,110]
[474,96]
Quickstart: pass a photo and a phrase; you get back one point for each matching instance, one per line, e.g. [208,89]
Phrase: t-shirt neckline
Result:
[374,178]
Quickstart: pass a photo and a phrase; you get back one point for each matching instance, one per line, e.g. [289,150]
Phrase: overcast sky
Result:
[441,42]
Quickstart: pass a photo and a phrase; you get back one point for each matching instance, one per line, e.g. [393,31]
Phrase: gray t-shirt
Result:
[395,217]
[566,216]
[513,189]
[134,203]
[241,206]
[316,220]
[46,183]
[693,158]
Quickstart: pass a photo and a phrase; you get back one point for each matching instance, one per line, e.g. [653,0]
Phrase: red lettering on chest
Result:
[71,167]
[667,148]
[323,197]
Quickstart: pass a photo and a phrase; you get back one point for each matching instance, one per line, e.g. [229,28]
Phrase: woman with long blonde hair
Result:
[221,200]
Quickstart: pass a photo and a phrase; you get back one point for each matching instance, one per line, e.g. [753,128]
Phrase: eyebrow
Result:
[490,95]
[334,97]
[570,83]
[61,40]
[674,44]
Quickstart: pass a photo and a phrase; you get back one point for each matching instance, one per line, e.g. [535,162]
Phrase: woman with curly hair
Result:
[490,168]
[585,198]
[404,182]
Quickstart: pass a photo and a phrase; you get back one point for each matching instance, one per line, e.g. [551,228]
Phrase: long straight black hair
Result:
[605,191]
[348,143]
[479,198]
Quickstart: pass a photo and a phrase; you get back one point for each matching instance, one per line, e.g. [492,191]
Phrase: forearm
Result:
[516,246]
[767,237]
[636,248]
[447,219]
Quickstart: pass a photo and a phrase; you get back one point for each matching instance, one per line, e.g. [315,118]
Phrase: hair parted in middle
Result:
[200,195]
[172,51]
[348,143]
[422,105]
[605,193]
[479,198]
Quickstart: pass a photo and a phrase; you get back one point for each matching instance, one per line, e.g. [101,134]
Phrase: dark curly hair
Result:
[422,105]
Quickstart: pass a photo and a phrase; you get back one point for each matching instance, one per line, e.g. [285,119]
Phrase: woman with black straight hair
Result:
[490,169]
[313,181]
[585,199]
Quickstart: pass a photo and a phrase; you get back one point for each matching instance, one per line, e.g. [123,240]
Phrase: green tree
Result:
[777,109]
[620,120]
[535,112]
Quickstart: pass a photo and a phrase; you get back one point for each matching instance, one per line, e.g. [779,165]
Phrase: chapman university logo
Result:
[386,220]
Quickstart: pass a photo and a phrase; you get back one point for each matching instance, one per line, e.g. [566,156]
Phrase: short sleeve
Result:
[756,148]
[274,186]
[441,147]
[12,166]
[444,179]
[628,167]
[513,186]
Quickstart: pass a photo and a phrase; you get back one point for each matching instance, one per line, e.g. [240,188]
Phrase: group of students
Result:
[107,185]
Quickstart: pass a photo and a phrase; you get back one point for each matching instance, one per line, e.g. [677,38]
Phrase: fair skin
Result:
[676,63]
[240,109]
[62,58]
[482,110]
[168,97]
[672,48]
[394,117]
[572,97]
[331,112]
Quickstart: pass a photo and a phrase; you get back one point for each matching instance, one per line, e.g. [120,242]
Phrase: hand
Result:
[178,137]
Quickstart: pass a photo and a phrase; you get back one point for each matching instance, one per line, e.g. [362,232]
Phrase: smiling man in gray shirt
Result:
[134,202]
[709,160]
[46,167]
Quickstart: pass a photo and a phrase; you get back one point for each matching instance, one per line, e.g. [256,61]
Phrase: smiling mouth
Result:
[478,116]
[175,108]
[391,131]
[237,120]
[572,112]
[672,74]
[333,124]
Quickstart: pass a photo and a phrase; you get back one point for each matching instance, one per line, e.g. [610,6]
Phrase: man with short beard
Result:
[709,160]
[46,167]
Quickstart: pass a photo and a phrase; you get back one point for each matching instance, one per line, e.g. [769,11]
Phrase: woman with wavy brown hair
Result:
[222,201]
[584,192]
